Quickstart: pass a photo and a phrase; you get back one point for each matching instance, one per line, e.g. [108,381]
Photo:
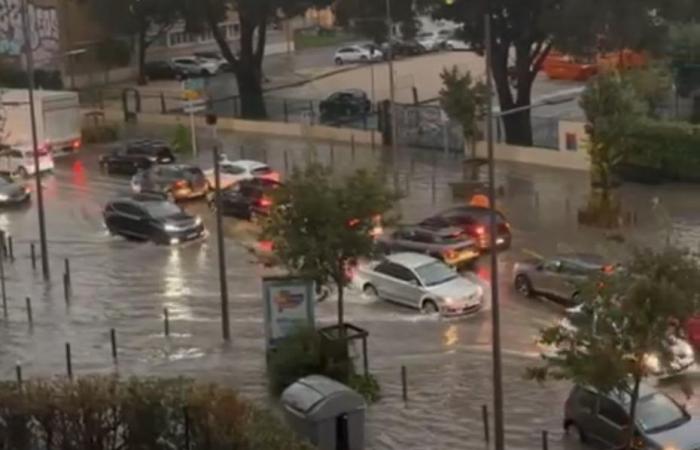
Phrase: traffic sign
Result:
[194,106]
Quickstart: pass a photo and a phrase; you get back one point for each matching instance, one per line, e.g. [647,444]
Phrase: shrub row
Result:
[104,413]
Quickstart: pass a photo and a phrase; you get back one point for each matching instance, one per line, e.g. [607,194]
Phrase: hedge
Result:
[660,151]
[104,413]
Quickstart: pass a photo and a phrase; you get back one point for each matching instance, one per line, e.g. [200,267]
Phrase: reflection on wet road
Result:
[126,286]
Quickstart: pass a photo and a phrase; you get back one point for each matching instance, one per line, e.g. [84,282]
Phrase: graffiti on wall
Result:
[43,26]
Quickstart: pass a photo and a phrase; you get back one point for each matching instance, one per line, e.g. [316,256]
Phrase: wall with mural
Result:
[44,34]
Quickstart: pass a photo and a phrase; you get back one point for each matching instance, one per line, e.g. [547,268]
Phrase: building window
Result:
[571,142]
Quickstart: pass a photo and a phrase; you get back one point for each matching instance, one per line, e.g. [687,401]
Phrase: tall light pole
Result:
[35,145]
[392,95]
[495,301]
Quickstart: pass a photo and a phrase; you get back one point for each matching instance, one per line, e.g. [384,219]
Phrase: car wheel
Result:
[370,292]
[339,61]
[22,172]
[576,298]
[429,307]
[523,285]
[573,430]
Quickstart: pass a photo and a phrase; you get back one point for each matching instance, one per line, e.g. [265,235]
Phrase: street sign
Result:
[194,106]
[289,304]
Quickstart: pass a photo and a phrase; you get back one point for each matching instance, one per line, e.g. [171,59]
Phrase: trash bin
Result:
[327,413]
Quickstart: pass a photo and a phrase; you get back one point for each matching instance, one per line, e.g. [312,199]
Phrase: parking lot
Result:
[126,285]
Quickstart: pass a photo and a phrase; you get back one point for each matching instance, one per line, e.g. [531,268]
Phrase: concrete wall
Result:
[572,153]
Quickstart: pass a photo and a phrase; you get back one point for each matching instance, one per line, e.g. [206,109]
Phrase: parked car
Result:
[19,161]
[456,44]
[682,354]
[660,423]
[231,172]
[402,48]
[246,199]
[176,181]
[347,103]
[211,56]
[433,40]
[559,277]
[357,53]
[151,218]
[193,66]
[163,70]
[421,282]
[450,245]
[13,193]
[155,150]
[475,221]
[120,161]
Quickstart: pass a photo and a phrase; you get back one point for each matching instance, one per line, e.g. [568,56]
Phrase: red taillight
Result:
[180,184]
[480,230]
[352,223]
[76,144]
[608,269]
[265,202]
[265,246]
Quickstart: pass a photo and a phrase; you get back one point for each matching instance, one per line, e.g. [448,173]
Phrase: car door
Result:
[546,276]
[611,423]
[135,220]
[402,286]
[384,280]
[567,284]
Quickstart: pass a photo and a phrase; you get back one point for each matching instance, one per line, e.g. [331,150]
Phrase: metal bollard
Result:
[30,319]
[67,271]
[404,382]
[10,248]
[113,340]
[32,251]
[3,243]
[352,146]
[18,372]
[66,288]
[485,419]
[545,440]
[166,322]
[69,362]
[186,415]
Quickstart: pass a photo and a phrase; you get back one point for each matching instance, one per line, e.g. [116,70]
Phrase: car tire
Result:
[573,430]
[370,292]
[22,172]
[429,307]
[523,285]
[339,61]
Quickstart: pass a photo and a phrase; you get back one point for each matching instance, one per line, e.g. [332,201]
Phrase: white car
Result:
[683,354]
[456,44]
[431,40]
[357,53]
[192,65]
[20,161]
[231,172]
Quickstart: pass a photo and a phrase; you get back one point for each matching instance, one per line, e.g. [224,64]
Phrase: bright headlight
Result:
[448,300]
[4,197]
[197,221]
[652,362]
[171,227]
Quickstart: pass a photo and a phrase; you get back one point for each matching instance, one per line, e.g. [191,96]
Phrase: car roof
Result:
[410,260]
[623,398]
[583,259]
[437,231]
[141,198]
[246,163]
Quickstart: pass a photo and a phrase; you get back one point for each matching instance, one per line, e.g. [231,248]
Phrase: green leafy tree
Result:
[612,109]
[320,226]
[652,84]
[631,317]
[465,100]
[369,17]
[144,21]
[254,16]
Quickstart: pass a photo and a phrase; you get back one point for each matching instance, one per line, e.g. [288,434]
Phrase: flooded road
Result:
[126,286]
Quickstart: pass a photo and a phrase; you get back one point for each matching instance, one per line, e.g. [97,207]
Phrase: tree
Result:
[612,110]
[370,17]
[141,20]
[652,85]
[465,100]
[253,16]
[319,227]
[629,316]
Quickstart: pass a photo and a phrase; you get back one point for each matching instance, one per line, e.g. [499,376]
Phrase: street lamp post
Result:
[495,301]
[392,98]
[35,145]
[223,283]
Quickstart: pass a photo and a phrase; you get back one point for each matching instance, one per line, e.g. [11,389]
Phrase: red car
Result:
[692,328]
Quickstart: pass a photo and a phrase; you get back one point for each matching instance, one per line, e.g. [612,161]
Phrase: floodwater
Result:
[127,285]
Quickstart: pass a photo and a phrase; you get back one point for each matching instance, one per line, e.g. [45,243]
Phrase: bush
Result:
[305,353]
[103,413]
[95,134]
[670,150]
[182,139]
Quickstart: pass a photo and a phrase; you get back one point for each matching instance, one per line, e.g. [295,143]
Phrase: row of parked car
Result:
[197,65]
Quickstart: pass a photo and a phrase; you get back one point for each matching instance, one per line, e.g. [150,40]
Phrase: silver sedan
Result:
[421,282]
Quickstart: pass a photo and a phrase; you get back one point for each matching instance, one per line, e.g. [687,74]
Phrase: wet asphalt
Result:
[127,285]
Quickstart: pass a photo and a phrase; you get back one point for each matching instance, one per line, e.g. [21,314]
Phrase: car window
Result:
[423,237]
[571,268]
[263,170]
[553,265]
[133,210]
[612,412]
[657,412]
[586,400]
[394,270]
[403,234]
[162,209]
[232,169]
[435,273]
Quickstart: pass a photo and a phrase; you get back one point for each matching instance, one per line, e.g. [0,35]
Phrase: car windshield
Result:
[261,170]
[159,210]
[435,273]
[232,169]
[5,181]
[657,412]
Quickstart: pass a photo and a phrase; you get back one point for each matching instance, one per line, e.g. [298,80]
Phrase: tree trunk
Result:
[633,412]
[518,127]
[251,93]
[341,305]
[142,56]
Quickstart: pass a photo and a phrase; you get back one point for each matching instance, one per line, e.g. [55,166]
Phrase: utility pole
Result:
[495,305]
[392,95]
[35,145]
[223,283]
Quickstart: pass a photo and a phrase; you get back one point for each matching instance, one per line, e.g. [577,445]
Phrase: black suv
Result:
[150,217]
[135,155]
[247,198]
[343,104]
[163,70]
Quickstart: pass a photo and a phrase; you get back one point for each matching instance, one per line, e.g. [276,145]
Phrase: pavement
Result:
[126,285]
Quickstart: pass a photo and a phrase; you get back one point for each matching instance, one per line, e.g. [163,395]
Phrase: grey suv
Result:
[559,277]
[449,245]
[603,419]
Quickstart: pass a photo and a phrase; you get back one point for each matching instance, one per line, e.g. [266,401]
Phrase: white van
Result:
[19,160]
